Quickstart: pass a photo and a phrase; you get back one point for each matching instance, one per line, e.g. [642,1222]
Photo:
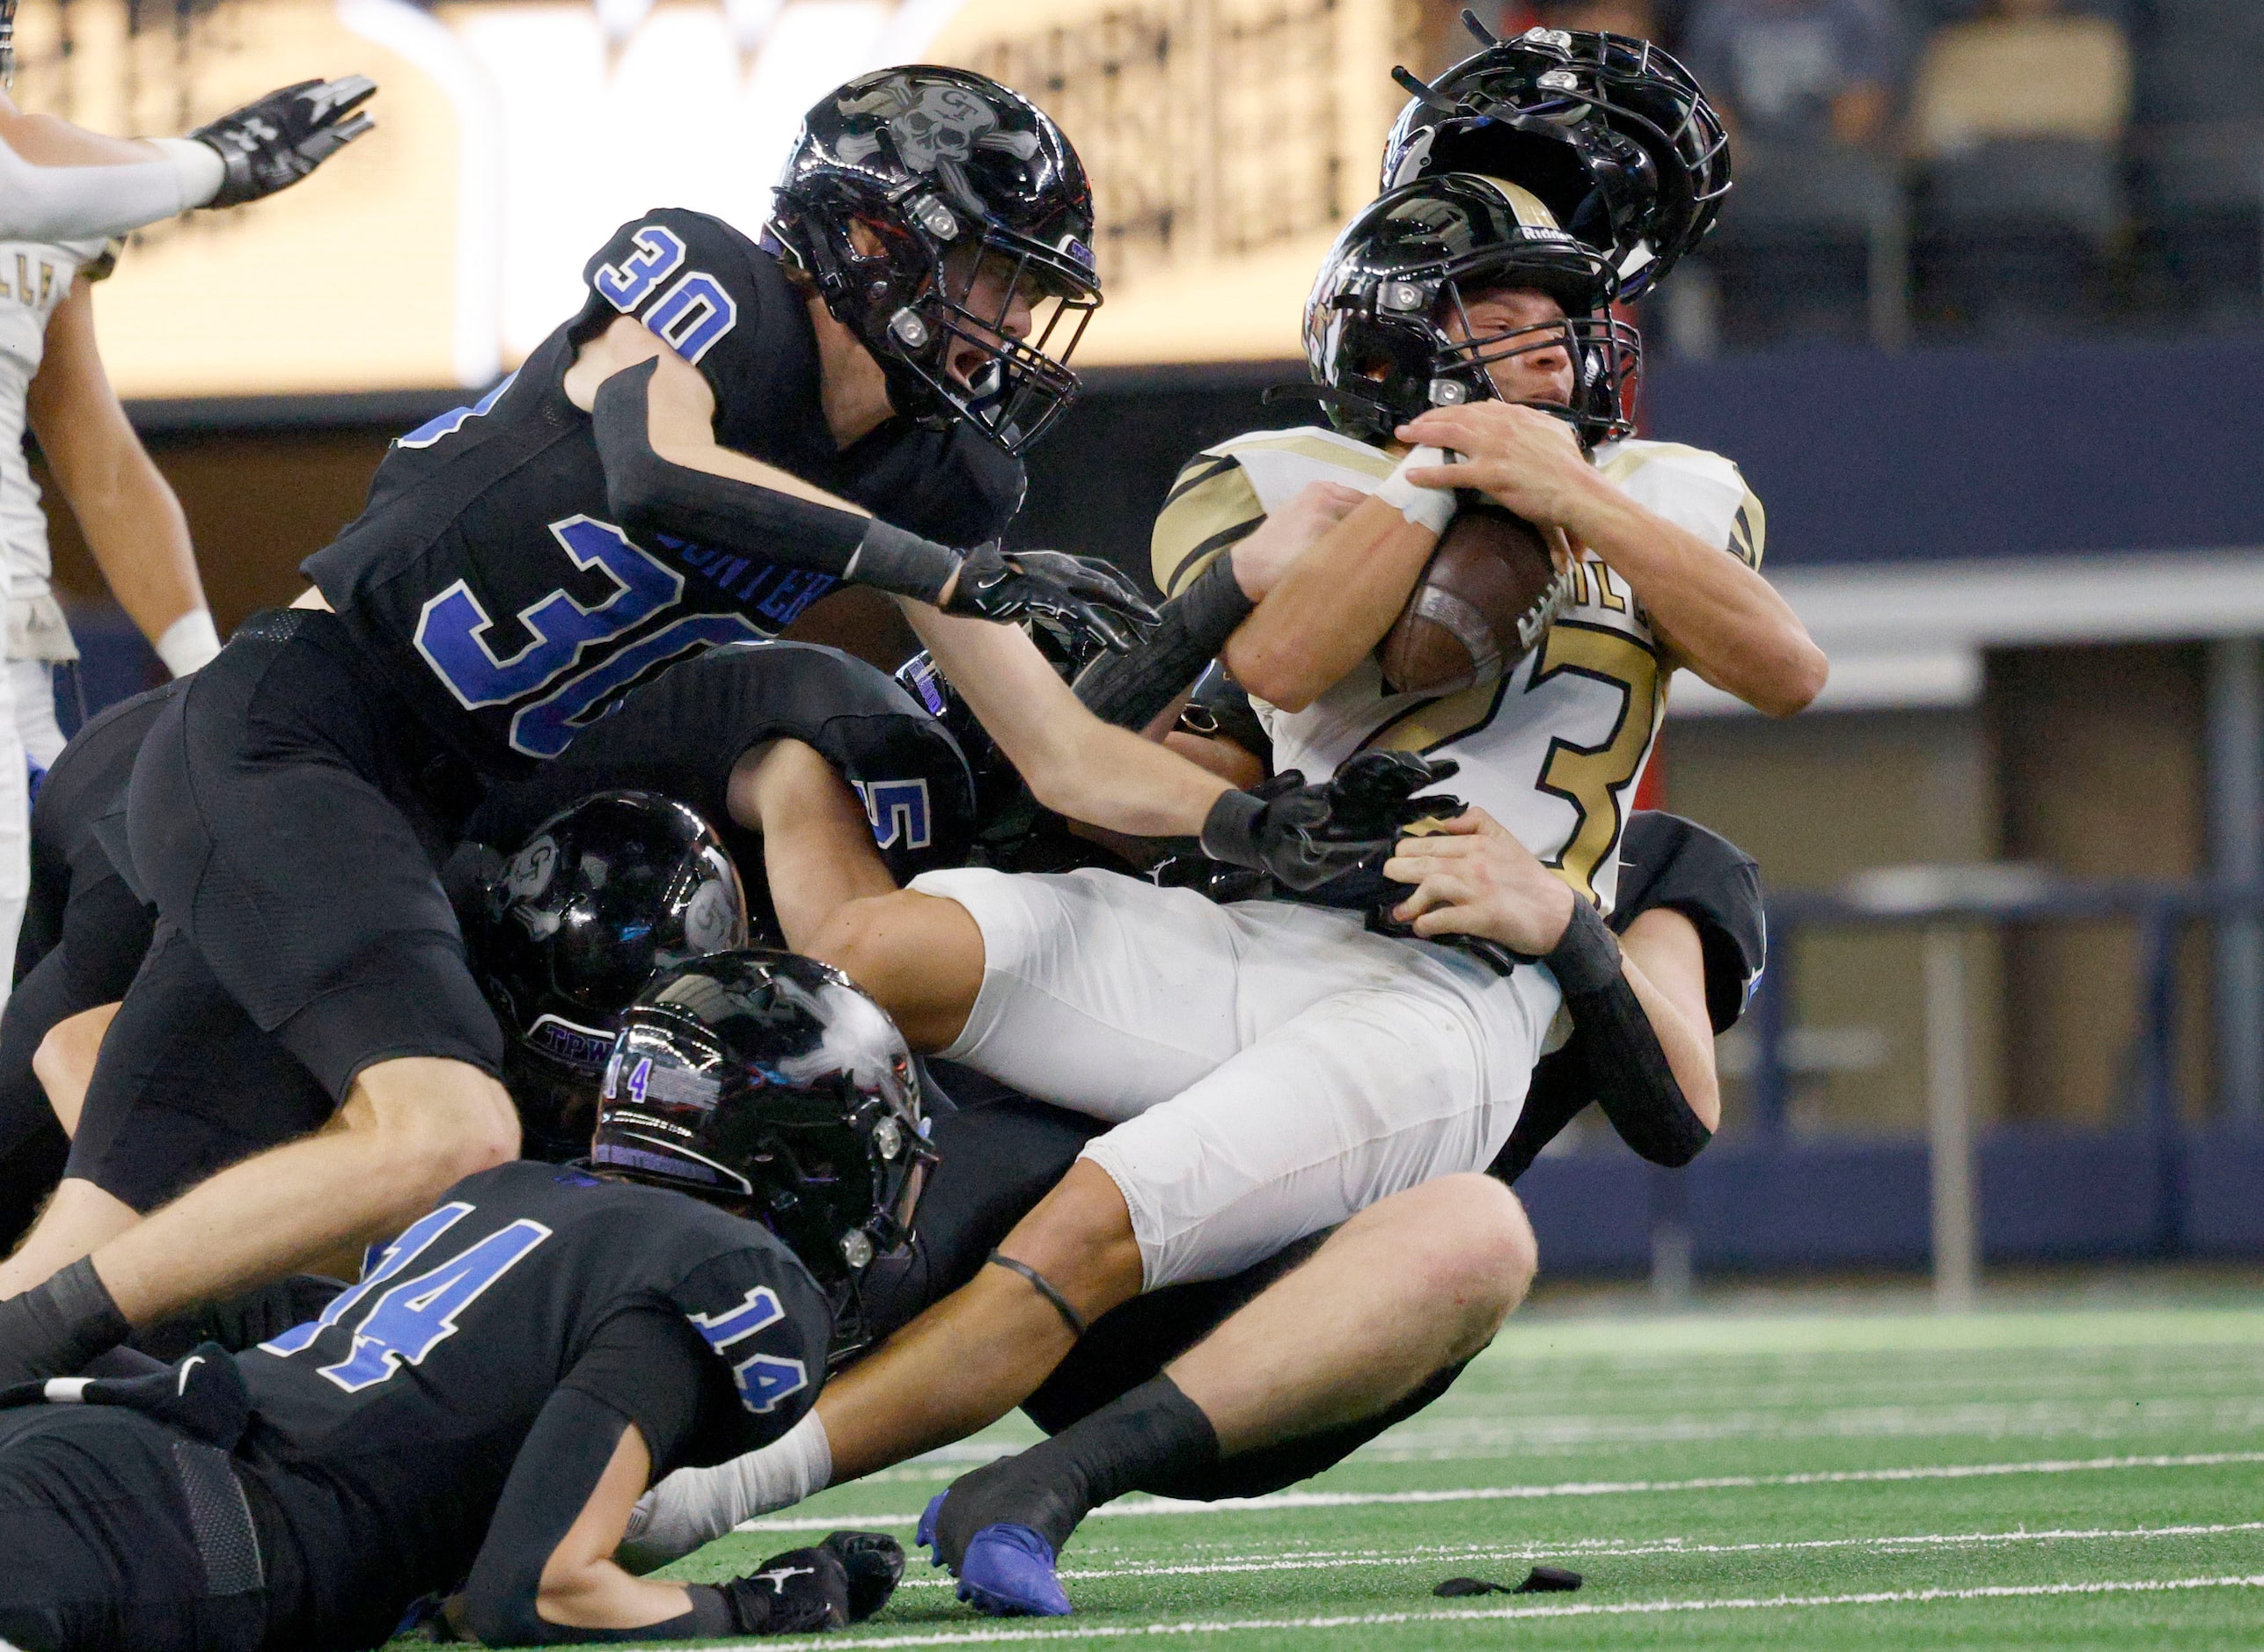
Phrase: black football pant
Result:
[119,1534]
[288,815]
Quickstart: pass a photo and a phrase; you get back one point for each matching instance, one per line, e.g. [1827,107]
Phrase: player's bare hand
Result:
[1471,877]
[1523,459]
[1262,556]
[1079,593]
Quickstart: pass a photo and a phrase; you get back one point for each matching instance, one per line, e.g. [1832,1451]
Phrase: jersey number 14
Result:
[408,1320]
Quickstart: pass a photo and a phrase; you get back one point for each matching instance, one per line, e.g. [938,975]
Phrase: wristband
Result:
[190,641]
[1128,689]
[1432,508]
[1229,830]
[891,560]
[199,166]
[1587,957]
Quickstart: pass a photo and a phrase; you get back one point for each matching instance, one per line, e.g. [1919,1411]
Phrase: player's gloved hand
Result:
[273,143]
[1372,794]
[843,1579]
[1080,594]
[1306,835]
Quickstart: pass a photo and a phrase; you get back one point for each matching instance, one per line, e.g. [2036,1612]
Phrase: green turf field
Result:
[2015,1479]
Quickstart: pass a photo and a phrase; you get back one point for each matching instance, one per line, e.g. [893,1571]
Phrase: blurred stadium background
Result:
[1984,323]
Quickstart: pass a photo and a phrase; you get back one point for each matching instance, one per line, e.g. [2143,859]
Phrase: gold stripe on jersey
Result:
[1211,505]
[1214,501]
[1748,534]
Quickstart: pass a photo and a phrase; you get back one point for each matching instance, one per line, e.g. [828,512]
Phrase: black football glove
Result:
[1078,593]
[1306,835]
[843,1579]
[875,1563]
[271,143]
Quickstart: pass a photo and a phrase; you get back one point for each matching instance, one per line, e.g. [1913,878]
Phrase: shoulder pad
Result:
[1667,861]
[1210,507]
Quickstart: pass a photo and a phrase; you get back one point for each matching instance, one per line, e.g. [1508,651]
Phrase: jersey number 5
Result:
[408,1319]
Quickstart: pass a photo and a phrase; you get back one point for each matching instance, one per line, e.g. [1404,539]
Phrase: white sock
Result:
[695,1506]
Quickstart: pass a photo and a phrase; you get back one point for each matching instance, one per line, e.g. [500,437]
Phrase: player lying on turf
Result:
[378,719]
[507,1376]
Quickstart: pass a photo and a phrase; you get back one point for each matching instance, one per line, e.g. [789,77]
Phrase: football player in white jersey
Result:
[1272,1068]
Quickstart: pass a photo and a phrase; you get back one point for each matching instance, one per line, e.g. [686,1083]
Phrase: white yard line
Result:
[1139,1506]
[1612,1548]
[1599,1609]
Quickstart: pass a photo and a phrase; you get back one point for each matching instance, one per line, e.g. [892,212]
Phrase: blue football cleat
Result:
[923,1535]
[1008,1572]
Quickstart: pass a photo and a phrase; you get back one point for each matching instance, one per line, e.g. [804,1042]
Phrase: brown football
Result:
[1487,594]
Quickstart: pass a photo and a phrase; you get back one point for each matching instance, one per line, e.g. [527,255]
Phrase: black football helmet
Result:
[1609,130]
[768,1084]
[600,896]
[955,180]
[1374,328]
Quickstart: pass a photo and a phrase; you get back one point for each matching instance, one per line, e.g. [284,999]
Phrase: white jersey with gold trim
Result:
[36,277]
[1555,750]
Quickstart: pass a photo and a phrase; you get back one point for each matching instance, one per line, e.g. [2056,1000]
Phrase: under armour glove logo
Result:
[273,143]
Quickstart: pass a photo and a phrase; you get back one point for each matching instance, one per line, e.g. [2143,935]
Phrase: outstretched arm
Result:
[1074,764]
[667,477]
[132,522]
[58,182]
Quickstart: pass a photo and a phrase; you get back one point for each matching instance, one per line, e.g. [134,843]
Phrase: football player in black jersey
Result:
[687,463]
[485,1405]
[694,737]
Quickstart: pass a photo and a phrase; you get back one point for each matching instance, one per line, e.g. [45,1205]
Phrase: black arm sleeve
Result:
[645,1367]
[1627,1070]
[654,500]
[1129,690]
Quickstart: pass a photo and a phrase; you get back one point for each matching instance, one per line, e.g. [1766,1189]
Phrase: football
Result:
[1487,594]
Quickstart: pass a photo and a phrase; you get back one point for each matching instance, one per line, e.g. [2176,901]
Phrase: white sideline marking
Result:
[1568,1488]
[1601,1608]
[1615,1549]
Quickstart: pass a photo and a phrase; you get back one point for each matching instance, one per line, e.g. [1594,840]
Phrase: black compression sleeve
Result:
[650,496]
[1633,1081]
[558,1467]
[1129,690]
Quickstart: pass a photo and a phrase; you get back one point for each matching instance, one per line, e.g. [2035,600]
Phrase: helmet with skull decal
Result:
[947,221]
[600,897]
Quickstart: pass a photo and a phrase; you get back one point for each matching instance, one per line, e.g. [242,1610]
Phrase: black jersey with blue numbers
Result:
[383,1433]
[484,572]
